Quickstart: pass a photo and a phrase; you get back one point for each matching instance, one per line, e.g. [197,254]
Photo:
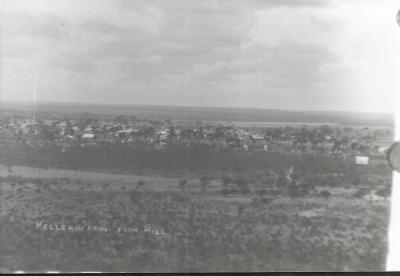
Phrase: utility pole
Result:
[35,93]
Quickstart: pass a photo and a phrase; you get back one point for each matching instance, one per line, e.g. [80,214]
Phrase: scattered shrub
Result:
[383,192]
[359,193]
[140,184]
[225,192]
[182,184]
[325,194]
[262,192]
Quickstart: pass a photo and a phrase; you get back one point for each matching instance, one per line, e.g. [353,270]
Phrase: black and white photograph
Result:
[197,135]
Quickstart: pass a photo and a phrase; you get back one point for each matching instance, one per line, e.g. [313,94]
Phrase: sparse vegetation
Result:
[182,184]
[214,226]
[141,184]
[325,194]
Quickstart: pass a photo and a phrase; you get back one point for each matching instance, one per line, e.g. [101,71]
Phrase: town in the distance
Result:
[49,129]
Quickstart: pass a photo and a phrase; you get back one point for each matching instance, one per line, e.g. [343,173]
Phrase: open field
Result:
[118,180]
[178,163]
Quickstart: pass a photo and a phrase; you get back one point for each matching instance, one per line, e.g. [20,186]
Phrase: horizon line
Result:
[94,104]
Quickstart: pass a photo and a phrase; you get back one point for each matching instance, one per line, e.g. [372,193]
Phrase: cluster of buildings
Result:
[87,131]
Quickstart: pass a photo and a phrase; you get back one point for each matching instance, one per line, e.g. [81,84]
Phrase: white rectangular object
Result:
[362,160]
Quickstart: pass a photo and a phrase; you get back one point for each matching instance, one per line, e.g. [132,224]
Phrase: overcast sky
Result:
[305,55]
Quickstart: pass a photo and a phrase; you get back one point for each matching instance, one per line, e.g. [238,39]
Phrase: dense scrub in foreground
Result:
[203,231]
